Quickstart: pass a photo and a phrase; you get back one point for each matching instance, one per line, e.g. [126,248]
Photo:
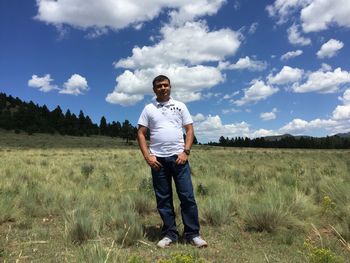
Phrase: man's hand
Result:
[152,162]
[181,158]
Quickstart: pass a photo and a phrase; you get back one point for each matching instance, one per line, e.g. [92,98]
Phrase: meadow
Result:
[90,199]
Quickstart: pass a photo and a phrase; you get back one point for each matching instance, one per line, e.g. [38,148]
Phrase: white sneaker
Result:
[164,242]
[199,242]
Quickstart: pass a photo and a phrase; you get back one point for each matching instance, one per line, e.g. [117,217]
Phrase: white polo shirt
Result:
[165,122]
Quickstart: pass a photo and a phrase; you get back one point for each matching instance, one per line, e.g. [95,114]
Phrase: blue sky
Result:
[244,68]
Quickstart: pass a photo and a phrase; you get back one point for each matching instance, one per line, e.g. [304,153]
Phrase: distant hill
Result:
[283,136]
[343,135]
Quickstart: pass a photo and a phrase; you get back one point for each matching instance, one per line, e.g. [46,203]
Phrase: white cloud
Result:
[291,54]
[339,121]
[324,82]
[198,117]
[229,96]
[187,82]
[315,15]
[326,67]
[179,58]
[321,14]
[119,14]
[267,116]
[193,44]
[42,83]
[230,110]
[263,133]
[283,9]
[295,38]
[346,97]
[258,91]
[299,126]
[330,48]
[342,112]
[253,27]
[244,63]
[211,128]
[190,10]
[285,76]
[123,99]
[75,85]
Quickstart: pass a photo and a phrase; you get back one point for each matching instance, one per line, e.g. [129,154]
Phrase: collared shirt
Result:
[166,121]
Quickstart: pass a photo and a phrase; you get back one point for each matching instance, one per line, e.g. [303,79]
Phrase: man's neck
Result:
[162,100]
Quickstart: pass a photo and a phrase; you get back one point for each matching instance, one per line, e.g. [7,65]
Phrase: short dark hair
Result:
[160,78]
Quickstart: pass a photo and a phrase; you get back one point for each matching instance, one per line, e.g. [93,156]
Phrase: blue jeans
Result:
[162,183]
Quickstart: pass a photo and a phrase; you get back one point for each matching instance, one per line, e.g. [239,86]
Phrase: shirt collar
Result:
[168,103]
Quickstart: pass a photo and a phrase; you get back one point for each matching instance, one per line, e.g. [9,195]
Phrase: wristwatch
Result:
[187,151]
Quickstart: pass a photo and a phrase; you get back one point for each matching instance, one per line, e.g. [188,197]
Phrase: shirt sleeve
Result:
[143,119]
[186,116]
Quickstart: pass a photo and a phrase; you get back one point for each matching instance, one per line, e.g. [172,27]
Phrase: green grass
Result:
[69,199]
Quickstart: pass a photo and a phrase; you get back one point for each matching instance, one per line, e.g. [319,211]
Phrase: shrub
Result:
[87,170]
[79,225]
[269,210]
[125,220]
[320,255]
[218,211]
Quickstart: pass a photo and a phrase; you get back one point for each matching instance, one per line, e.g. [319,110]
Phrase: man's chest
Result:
[166,116]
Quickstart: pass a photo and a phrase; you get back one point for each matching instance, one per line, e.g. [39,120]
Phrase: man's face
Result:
[162,90]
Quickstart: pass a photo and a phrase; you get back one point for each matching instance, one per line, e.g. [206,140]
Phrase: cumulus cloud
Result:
[244,63]
[190,10]
[295,37]
[258,91]
[187,82]
[342,112]
[75,85]
[267,116]
[42,83]
[193,44]
[291,54]
[339,121]
[299,126]
[211,128]
[285,76]
[315,15]
[330,48]
[198,117]
[119,14]
[324,82]
[123,99]
[320,14]
[179,58]
[284,9]
[346,97]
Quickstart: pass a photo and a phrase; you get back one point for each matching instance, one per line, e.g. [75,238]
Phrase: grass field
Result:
[70,199]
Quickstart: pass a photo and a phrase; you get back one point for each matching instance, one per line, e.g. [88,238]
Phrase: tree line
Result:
[329,142]
[18,115]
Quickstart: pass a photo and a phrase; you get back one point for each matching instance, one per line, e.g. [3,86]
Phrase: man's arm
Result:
[183,157]
[150,159]
[189,136]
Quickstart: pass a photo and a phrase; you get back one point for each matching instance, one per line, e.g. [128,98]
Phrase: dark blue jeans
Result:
[162,183]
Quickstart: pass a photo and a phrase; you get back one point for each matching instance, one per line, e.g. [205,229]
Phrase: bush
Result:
[270,210]
[79,225]
[87,170]
[218,211]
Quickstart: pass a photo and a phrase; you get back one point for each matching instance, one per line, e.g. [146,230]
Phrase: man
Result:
[168,159]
